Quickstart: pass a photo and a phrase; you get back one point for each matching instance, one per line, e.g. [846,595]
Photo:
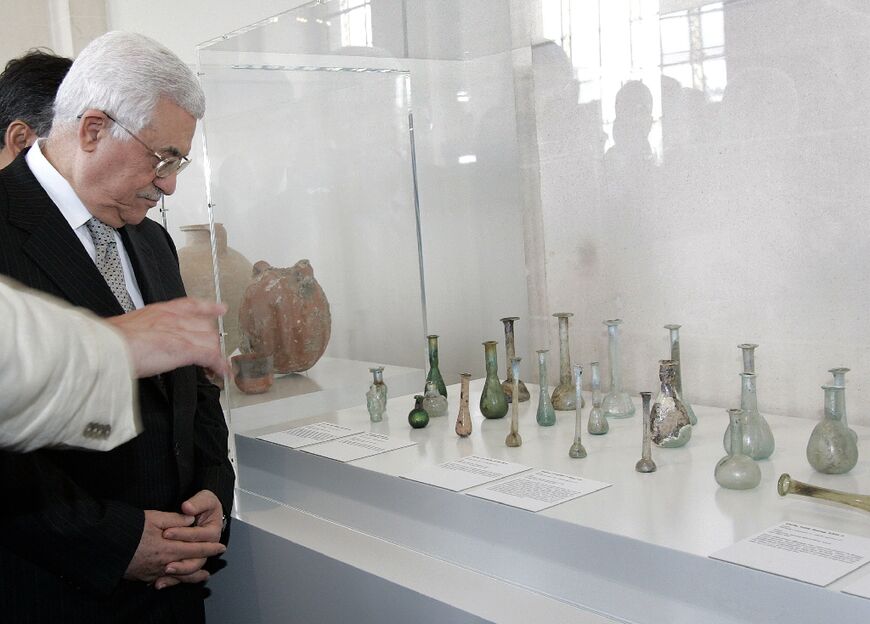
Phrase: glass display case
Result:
[447,165]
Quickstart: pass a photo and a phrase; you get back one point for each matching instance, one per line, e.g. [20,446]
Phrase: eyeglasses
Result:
[166,165]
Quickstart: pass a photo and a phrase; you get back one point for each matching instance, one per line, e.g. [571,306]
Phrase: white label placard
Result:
[802,552]
[461,474]
[357,447]
[859,588]
[539,490]
[297,437]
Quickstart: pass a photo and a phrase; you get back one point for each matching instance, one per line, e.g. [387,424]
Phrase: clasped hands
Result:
[174,547]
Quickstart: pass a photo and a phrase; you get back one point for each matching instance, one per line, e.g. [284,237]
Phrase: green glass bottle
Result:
[418,417]
[434,372]
[493,401]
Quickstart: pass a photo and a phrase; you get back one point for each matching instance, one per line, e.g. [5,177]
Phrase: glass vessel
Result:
[616,404]
[463,419]
[787,485]
[674,331]
[546,415]
[513,438]
[646,463]
[597,423]
[376,397]
[493,402]
[831,448]
[748,349]
[737,471]
[840,380]
[669,422]
[563,394]
[758,440]
[508,384]
[577,451]
[434,404]
[418,417]
[434,372]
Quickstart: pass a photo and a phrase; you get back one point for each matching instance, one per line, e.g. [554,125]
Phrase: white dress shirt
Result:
[75,213]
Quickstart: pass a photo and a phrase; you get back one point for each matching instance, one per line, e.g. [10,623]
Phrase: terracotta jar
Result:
[198,274]
[285,313]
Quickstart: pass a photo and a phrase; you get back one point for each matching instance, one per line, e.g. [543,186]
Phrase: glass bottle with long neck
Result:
[545,415]
[463,419]
[434,372]
[737,471]
[669,422]
[513,438]
[597,423]
[376,397]
[646,463]
[616,404]
[493,402]
[787,485]
[831,448]
[674,336]
[577,450]
[563,394]
[758,440]
[748,350]
[510,353]
[840,380]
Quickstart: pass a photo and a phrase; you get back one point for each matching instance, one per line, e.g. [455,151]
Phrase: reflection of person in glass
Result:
[631,154]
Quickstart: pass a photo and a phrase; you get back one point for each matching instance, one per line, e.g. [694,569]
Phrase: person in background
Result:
[67,379]
[27,89]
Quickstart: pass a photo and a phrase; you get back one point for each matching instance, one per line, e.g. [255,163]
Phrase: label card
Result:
[461,474]
[309,434]
[539,490]
[357,447]
[801,552]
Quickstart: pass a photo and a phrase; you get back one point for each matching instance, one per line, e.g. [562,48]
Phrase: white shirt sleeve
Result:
[65,377]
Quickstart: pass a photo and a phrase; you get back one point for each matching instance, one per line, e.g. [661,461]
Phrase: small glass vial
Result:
[616,404]
[577,450]
[646,463]
[546,415]
[434,372]
[510,353]
[831,449]
[737,471]
[597,423]
[434,404]
[514,439]
[376,397]
[463,419]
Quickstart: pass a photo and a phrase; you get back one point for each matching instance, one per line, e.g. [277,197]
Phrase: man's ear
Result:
[93,126]
[18,137]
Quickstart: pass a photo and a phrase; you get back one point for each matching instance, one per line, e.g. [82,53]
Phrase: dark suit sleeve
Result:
[52,523]
[213,469]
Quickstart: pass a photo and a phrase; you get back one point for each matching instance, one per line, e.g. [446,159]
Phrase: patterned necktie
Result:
[109,262]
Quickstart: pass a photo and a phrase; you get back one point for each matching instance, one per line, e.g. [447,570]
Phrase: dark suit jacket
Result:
[70,521]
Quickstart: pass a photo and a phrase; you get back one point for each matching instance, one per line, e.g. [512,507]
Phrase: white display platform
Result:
[636,551]
[332,384]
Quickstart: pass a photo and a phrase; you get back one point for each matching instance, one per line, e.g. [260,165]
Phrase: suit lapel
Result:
[53,245]
[144,264]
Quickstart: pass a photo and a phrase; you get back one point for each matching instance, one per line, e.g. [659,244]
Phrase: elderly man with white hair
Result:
[122,535]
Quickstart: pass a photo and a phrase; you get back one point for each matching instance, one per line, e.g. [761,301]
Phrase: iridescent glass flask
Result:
[376,397]
[737,471]
[674,336]
[545,415]
[831,448]
[493,402]
[563,394]
[510,353]
[758,440]
[670,426]
[514,438]
[616,404]
[434,404]
[577,450]
[463,419]
[434,372]
[597,423]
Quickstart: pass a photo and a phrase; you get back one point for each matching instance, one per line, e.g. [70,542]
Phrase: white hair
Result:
[126,74]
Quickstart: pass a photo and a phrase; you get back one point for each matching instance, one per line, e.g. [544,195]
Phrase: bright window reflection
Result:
[356,22]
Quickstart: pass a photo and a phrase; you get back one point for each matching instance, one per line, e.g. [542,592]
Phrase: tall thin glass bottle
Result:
[434,372]
[376,397]
[646,463]
[463,419]
[674,335]
[597,423]
[510,353]
[616,404]
[513,438]
[493,402]
[577,450]
[839,374]
[831,448]
[545,415]
[563,394]
[737,471]
[758,440]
